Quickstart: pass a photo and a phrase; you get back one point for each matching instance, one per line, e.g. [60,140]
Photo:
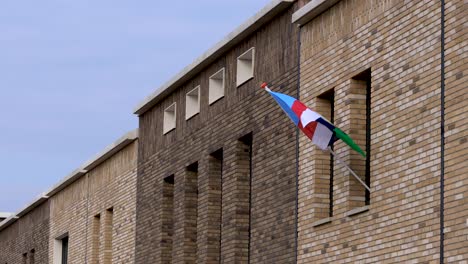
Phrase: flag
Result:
[318,129]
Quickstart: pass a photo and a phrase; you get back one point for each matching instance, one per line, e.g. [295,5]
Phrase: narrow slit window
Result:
[245,66]
[360,110]
[191,209]
[170,114]
[215,168]
[96,230]
[31,256]
[192,103]
[64,258]
[216,86]
[244,174]
[25,258]
[167,219]
[325,106]
[107,235]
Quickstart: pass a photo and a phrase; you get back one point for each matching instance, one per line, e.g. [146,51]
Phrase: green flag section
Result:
[347,139]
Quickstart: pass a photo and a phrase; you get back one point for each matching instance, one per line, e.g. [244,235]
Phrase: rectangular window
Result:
[359,102]
[96,231]
[191,210]
[107,235]
[25,258]
[170,118]
[192,103]
[245,66]
[167,219]
[65,250]
[216,86]
[60,255]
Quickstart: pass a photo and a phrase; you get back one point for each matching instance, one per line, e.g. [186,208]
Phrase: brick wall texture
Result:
[221,186]
[73,210]
[456,131]
[28,234]
[399,41]
[241,191]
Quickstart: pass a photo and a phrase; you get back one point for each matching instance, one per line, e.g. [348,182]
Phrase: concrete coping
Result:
[322,222]
[110,150]
[311,10]
[356,211]
[251,25]
[5,215]
[36,202]
[7,222]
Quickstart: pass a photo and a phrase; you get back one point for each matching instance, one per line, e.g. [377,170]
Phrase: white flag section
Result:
[322,136]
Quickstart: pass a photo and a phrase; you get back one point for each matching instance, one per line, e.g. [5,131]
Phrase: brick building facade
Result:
[221,185]
[88,217]
[23,236]
[390,53]
[224,176]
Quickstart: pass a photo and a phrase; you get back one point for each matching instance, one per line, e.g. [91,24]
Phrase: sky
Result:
[72,72]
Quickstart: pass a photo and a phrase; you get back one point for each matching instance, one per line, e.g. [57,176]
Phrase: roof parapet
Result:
[35,203]
[233,38]
[7,222]
[311,10]
[5,215]
[110,150]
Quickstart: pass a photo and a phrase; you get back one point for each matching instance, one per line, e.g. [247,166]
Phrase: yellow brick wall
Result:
[456,131]
[400,42]
[111,185]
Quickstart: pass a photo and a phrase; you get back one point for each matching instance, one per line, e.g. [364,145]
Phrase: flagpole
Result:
[347,167]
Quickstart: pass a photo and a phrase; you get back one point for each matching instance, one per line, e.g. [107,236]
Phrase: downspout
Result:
[442,127]
[296,233]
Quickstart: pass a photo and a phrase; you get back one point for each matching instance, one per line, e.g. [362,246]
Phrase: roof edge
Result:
[251,25]
[5,215]
[69,179]
[110,150]
[7,222]
[35,203]
[311,10]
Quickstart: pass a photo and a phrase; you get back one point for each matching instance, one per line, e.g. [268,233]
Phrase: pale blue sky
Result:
[71,73]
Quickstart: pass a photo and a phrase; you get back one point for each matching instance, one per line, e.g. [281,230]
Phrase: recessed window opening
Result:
[60,255]
[192,103]
[170,114]
[31,256]
[107,235]
[96,230]
[245,66]
[325,105]
[216,86]
[215,168]
[364,79]
[191,209]
[167,218]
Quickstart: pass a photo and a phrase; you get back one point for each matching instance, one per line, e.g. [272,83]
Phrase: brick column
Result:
[236,206]
[185,216]
[351,118]
[209,208]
